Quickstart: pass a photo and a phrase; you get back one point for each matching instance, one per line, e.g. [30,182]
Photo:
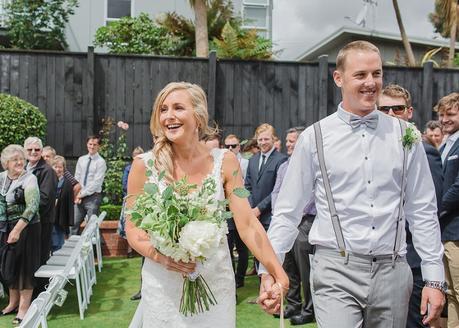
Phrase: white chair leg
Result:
[79,296]
[99,250]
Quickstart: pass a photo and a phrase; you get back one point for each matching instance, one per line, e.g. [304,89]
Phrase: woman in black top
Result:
[19,227]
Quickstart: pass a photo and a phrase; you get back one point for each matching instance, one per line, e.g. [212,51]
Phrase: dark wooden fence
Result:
[76,90]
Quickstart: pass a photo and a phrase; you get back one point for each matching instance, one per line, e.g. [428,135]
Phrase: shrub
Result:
[113,211]
[19,120]
[114,154]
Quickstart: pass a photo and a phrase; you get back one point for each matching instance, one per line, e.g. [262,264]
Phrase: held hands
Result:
[436,300]
[171,265]
[270,293]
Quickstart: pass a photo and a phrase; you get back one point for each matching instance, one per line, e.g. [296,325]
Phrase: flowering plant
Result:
[186,223]
[412,136]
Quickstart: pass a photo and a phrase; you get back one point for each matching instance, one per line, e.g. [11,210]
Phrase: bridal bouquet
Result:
[186,223]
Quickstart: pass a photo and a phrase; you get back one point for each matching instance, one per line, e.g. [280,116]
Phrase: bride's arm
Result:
[249,227]
[137,238]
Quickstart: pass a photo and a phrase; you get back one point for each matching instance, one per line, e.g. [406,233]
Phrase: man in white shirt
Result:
[90,173]
[360,276]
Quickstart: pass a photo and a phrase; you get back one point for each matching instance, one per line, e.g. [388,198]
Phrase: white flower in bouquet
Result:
[201,238]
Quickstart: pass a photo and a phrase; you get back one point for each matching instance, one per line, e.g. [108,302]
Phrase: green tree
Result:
[218,14]
[242,44]
[136,35]
[444,20]
[39,24]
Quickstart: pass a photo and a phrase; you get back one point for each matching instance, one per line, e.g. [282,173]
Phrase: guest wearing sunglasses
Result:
[47,183]
[396,101]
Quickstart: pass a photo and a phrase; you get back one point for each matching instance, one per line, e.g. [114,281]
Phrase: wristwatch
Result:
[440,285]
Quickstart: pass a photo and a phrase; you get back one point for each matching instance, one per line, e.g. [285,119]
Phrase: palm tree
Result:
[406,42]
[444,20]
[200,21]
[219,12]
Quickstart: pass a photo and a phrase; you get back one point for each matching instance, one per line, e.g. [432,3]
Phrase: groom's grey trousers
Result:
[359,290]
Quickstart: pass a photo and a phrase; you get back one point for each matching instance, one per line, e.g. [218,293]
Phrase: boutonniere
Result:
[412,136]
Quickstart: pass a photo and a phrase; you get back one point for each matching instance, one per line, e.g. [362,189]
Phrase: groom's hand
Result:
[268,299]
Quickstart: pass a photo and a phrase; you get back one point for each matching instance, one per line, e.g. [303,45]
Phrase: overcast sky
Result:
[300,24]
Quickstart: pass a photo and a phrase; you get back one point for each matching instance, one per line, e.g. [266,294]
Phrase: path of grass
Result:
[110,305]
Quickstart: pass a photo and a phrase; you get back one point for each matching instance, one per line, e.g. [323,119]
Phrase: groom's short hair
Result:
[355,45]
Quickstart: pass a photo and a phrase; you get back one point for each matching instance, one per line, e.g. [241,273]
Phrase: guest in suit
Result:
[261,174]
[448,110]
[396,101]
[233,143]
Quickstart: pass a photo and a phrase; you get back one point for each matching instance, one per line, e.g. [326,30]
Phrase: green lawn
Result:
[110,305]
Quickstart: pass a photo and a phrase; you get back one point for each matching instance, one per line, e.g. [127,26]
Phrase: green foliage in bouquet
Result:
[19,120]
[114,153]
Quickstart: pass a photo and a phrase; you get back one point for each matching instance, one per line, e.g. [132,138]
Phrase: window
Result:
[117,9]
[255,17]
[256,2]
[3,3]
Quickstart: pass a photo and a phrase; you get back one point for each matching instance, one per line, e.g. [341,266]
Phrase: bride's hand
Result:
[170,264]
[270,293]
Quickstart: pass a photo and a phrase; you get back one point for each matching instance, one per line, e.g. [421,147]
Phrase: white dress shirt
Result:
[96,174]
[448,145]
[244,163]
[365,169]
[266,155]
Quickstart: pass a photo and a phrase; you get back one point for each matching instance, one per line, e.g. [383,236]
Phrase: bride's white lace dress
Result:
[162,289]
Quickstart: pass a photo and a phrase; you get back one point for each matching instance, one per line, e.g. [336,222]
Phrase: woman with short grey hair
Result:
[19,229]
[10,152]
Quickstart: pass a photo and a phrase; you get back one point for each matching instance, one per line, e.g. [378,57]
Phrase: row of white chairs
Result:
[74,261]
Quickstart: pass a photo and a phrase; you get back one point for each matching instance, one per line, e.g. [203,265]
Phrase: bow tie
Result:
[371,121]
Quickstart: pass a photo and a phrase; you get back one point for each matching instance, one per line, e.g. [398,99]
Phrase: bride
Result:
[179,121]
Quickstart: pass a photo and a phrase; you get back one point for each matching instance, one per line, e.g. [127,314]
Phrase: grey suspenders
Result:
[331,203]
[328,192]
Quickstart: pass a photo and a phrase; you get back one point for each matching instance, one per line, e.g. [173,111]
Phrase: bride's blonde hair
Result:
[162,149]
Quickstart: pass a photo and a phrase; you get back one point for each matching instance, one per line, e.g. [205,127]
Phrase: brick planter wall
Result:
[112,243]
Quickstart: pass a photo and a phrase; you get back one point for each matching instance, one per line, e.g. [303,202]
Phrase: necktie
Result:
[263,161]
[87,172]
[371,121]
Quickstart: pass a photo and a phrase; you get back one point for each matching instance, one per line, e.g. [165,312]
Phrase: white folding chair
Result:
[73,270]
[33,318]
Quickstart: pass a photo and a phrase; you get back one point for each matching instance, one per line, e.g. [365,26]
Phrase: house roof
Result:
[335,39]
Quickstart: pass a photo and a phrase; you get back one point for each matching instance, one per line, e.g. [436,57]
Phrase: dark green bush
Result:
[19,120]
[113,211]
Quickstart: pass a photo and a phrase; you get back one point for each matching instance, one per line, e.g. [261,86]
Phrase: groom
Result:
[355,167]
